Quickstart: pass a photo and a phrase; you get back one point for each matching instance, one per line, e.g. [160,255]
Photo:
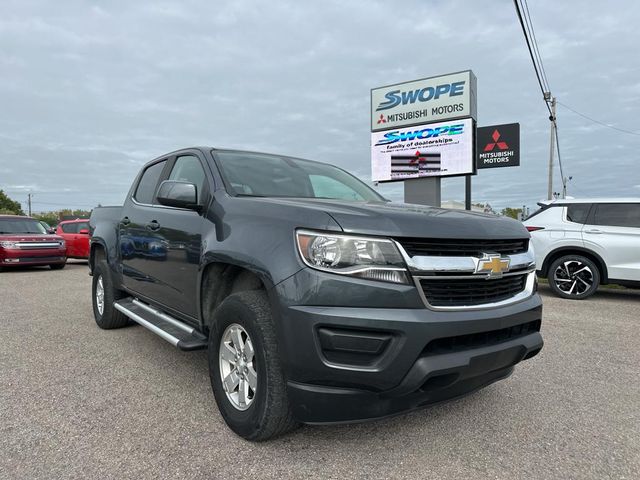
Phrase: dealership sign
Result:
[435,150]
[424,101]
[498,146]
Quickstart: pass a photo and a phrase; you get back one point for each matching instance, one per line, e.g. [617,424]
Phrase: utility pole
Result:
[29,202]
[565,180]
[552,119]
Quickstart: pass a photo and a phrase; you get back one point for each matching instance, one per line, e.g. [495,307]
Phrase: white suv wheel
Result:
[574,276]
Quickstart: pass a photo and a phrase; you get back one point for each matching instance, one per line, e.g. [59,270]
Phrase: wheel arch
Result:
[569,250]
[219,279]
[96,249]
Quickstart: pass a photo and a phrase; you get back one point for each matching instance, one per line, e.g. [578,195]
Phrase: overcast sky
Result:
[89,91]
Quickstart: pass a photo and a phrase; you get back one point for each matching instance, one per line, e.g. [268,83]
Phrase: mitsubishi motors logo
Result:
[381,119]
[501,145]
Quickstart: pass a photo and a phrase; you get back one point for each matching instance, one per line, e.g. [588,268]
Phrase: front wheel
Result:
[574,276]
[244,367]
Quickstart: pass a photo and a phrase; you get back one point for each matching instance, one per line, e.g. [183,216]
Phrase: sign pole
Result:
[467,192]
[423,191]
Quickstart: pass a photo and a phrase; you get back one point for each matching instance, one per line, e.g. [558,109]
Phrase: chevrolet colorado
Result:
[318,300]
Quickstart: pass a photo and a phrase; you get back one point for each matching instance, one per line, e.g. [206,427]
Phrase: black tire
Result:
[110,317]
[57,266]
[574,277]
[269,414]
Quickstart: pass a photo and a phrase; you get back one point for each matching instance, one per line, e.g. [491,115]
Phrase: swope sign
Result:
[424,101]
[436,150]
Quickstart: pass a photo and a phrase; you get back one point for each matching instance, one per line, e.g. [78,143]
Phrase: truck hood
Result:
[408,220]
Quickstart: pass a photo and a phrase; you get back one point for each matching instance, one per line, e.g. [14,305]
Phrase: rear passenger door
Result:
[613,232]
[141,254]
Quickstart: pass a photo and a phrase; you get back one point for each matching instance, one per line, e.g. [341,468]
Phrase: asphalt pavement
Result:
[80,402]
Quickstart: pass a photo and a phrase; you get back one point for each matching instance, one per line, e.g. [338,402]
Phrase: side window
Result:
[146,190]
[331,188]
[618,214]
[189,169]
[83,226]
[577,212]
[70,227]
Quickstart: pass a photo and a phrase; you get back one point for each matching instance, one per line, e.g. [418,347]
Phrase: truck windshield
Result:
[20,225]
[262,175]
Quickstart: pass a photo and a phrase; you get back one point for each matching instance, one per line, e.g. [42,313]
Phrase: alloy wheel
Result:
[100,295]
[237,366]
[573,277]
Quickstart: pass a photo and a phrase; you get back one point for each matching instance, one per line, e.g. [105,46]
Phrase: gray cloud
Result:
[89,92]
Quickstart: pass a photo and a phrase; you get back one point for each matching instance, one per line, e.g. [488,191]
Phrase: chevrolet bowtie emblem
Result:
[493,265]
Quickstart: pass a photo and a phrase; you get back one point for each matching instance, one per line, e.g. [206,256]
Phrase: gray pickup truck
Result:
[318,300]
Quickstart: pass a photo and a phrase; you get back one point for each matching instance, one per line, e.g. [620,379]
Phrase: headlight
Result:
[363,257]
[8,245]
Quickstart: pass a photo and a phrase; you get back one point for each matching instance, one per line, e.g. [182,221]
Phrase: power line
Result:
[64,203]
[613,127]
[536,50]
[536,59]
[533,60]
[57,204]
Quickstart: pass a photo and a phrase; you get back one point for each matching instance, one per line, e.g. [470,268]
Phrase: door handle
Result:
[125,221]
[594,231]
[153,225]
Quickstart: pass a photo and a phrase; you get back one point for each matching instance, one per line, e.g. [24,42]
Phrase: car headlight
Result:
[8,245]
[363,257]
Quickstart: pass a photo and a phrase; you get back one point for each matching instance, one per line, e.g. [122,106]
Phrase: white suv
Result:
[580,244]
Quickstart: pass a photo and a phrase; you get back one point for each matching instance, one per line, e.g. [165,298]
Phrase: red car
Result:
[76,234]
[24,241]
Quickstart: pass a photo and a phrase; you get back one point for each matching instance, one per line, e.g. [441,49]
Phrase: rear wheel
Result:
[244,366]
[103,297]
[574,276]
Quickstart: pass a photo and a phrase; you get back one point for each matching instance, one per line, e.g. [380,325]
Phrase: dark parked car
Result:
[318,300]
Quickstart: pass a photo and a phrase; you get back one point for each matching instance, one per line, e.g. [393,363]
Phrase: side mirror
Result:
[84,231]
[178,194]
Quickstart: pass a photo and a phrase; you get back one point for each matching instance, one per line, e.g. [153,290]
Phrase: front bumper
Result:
[348,364]
[32,257]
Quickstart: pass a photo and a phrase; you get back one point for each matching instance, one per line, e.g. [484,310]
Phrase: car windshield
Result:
[20,225]
[262,175]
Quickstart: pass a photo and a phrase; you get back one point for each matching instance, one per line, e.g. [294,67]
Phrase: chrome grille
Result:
[38,245]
